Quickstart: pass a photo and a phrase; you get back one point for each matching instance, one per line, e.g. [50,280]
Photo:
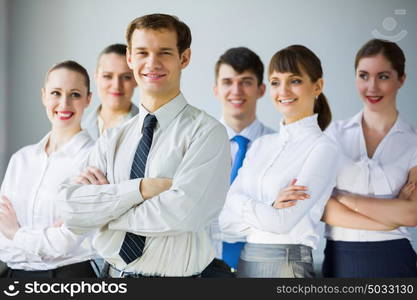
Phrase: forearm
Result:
[10,253]
[336,214]
[47,243]
[392,212]
[177,210]
[88,207]
[318,174]
[195,199]
[282,220]
[231,217]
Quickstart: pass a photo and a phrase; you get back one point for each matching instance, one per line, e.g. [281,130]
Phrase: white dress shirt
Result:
[94,124]
[189,146]
[31,184]
[381,176]
[300,150]
[255,130]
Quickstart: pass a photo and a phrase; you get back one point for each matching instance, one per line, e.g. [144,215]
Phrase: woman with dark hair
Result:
[373,204]
[261,202]
[33,240]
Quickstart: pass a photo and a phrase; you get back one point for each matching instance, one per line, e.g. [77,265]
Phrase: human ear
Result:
[43,96]
[185,58]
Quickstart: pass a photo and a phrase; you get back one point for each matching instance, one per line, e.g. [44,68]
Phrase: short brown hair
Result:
[241,59]
[71,66]
[390,50]
[158,22]
[297,58]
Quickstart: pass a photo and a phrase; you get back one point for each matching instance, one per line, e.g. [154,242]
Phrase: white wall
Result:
[44,32]
[3,85]
[47,31]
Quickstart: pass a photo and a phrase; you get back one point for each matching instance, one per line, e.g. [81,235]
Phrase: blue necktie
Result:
[231,251]
[133,244]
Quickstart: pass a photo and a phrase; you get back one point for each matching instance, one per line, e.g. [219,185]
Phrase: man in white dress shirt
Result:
[238,86]
[152,226]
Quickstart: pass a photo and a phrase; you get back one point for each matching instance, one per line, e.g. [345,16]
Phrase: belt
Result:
[116,273]
[73,270]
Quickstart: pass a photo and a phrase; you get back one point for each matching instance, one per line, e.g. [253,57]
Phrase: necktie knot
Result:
[241,141]
[149,122]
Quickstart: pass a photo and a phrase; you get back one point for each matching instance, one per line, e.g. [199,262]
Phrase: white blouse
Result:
[300,150]
[254,131]
[31,184]
[381,176]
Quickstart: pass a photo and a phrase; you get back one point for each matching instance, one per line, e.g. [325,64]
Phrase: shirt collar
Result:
[71,148]
[166,113]
[134,110]
[251,132]
[300,128]
[399,125]
[356,120]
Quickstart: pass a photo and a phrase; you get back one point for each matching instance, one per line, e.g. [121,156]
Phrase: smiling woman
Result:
[277,217]
[295,76]
[375,199]
[33,240]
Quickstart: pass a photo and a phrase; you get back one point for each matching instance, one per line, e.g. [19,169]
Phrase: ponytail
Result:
[322,108]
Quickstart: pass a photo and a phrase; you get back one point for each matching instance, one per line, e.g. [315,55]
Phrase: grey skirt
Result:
[275,261]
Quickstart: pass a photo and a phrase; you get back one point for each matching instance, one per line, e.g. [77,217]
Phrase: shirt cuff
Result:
[133,186]
[20,238]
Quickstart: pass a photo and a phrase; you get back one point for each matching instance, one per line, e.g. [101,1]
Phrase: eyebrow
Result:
[243,78]
[292,75]
[161,49]
[382,72]
[111,72]
[60,89]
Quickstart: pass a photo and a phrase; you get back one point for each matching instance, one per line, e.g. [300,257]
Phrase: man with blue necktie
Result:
[238,86]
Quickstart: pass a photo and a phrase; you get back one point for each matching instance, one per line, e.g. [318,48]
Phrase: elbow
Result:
[411,219]
[230,227]
[223,224]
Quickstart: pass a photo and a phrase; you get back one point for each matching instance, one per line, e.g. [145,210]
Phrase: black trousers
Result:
[218,269]
[384,259]
[78,270]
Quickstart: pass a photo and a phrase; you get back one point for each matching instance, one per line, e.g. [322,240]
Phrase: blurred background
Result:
[35,34]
